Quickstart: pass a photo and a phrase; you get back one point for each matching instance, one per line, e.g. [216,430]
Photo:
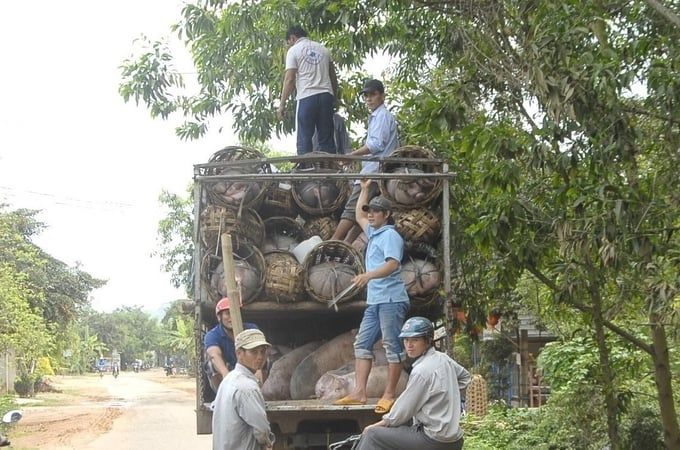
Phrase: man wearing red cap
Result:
[219,345]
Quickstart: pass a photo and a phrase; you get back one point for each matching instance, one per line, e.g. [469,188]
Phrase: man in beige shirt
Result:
[239,419]
[426,416]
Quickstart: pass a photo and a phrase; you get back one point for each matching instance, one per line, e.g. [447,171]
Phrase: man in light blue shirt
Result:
[381,141]
[387,299]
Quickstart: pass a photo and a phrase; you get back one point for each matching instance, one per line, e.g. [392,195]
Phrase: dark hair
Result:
[295,30]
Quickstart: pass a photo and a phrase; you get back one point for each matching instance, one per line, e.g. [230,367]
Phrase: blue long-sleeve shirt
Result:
[381,137]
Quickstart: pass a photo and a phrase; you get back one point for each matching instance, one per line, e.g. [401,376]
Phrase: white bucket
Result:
[303,248]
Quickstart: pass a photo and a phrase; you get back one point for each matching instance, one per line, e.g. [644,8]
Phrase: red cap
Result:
[222,305]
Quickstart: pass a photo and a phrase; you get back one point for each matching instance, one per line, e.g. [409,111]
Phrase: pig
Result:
[236,192]
[331,355]
[409,192]
[277,385]
[338,383]
[328,279]
[247,280]
[360,243]
[279,242]
[318,194]
[421,277]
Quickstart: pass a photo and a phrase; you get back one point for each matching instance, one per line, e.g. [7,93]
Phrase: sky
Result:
[70,146]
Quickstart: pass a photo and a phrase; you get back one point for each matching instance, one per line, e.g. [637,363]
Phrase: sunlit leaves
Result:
[151,78]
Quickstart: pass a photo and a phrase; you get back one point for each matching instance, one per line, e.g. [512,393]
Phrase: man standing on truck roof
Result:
[219,345]
[343,143]
[387,299]
[381,141]
[239,419]
[310,71]
[426,416]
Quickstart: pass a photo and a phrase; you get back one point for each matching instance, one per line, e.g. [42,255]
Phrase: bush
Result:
[642,429]
[551,427]
[7,403]
[24,385]
[44,367]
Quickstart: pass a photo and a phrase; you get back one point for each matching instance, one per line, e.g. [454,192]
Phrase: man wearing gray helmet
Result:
[426,416]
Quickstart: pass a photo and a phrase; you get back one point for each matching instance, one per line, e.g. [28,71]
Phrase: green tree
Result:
[128,330]
[177,334]
[40,296]
[175,238]
[560,120]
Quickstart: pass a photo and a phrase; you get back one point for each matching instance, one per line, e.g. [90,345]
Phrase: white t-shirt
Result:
[312,62]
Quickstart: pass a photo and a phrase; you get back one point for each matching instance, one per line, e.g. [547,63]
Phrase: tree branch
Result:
[642,112]
[665,12]
[584,308]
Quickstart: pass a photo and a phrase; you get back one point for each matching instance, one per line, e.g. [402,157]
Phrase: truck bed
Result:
[307,423]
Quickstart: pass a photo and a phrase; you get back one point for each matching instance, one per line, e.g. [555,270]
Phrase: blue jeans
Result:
[381,320]
[315,113]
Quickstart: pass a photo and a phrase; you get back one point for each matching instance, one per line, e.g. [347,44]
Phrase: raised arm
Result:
[361,215]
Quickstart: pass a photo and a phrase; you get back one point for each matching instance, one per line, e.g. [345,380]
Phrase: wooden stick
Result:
[232,290]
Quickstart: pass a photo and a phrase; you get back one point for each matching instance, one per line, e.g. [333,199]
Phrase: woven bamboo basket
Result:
[281,233]
[476,398]
[237,194]
[320,197]
[418,225]
[283,277]
[422,274]
[337,261]
[323,226]
[244,252]
[216,220]
[278,201]
[360,243]
[408,189]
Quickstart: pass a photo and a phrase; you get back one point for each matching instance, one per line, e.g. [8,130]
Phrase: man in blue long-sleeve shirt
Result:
[381,141]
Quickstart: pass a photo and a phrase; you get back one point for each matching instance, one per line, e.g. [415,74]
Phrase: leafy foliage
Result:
[175,232]
[128,330]
[177,336]
[560,120]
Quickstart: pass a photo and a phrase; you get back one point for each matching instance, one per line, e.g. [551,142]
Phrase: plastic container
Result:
[303,248]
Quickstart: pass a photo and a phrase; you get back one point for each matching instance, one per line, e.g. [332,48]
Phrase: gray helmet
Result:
[417,327]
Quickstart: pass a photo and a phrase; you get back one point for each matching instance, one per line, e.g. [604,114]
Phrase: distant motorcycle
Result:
[10,417]
[168,371]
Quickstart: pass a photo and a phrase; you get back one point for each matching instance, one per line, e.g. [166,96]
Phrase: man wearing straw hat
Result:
[239,419]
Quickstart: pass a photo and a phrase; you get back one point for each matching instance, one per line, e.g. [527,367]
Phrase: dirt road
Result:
[144,410]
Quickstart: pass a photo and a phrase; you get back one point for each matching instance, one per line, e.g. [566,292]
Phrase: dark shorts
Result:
[351,206]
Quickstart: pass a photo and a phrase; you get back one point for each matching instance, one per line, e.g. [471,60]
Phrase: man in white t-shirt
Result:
[310,71]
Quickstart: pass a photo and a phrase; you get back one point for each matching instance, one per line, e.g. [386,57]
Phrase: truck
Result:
[308,423]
